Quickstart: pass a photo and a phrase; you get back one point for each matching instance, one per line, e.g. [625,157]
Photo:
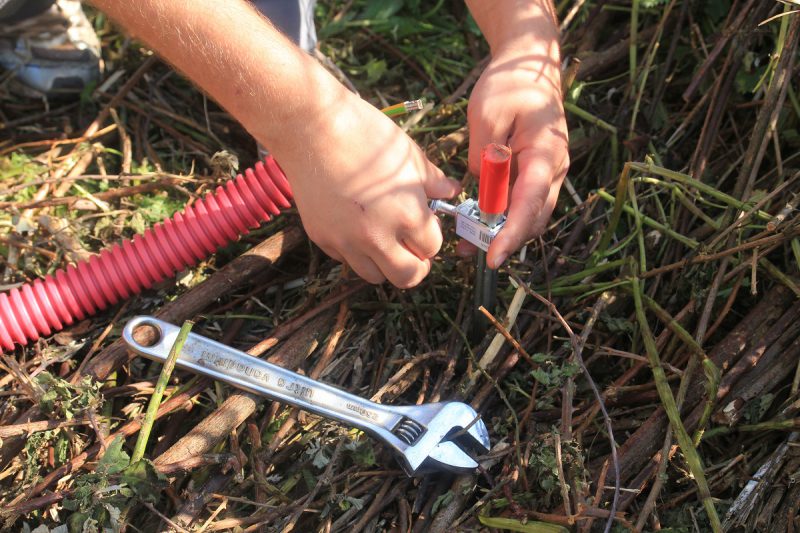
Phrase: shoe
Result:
[56,52]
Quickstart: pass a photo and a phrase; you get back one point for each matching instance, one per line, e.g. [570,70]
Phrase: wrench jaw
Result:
[443,443]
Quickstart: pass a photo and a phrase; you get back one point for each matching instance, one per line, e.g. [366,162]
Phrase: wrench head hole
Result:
[147,335]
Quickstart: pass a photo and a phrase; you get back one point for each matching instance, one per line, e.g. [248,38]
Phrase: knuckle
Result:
[406,223]
[411,275]
[374,279]
[366,239]
[432,244]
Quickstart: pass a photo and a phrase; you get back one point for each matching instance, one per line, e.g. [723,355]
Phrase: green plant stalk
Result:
[602,124]
[779,42]
[642,85]
[776,273]
[713,376]
[158,393]
[796,379]
[700,186]
[632,59]
[582,289]
[578,276]
[108,404]
[794,101]
[682,197]
[710,370]
[588,117]
[600,288]
[512,524]
[796,252]
[621,245]
[690,243]
[616,214]
[668,401]
[773,425]
[673,326]
[637,220]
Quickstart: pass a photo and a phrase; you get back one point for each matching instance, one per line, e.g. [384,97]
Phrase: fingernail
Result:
[500,260]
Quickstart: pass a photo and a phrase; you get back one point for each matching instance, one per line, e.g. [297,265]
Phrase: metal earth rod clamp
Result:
[479,222]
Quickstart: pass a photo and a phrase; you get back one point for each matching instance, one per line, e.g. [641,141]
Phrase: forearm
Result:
[518,26]
[239,59]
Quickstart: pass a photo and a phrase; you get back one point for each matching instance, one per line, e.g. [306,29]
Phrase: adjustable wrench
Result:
[426,438]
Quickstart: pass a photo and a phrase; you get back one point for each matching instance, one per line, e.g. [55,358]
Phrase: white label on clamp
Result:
[476,231]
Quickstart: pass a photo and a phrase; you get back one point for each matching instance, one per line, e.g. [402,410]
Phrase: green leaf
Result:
[375,69]
[115,460]
[511,524]
[442,501]
[541,376]
[144,479]
[382,9]
[358,503]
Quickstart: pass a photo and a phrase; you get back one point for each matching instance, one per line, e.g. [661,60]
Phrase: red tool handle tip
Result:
[494,178]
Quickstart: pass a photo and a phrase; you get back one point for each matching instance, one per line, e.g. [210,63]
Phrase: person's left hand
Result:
[517,102]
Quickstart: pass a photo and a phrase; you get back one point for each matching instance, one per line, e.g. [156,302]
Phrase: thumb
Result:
[437,185]
[532,202]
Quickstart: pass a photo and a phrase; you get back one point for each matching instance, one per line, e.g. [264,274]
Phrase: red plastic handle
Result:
[494,178]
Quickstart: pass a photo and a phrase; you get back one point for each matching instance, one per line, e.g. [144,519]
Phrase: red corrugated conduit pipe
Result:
[47,305]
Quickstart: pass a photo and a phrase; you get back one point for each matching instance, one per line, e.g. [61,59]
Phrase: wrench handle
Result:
[215,360]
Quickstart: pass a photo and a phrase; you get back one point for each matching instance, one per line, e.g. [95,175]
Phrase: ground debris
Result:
[670,269]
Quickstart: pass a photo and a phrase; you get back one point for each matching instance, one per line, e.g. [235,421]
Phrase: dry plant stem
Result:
[175,402]
[752,334]
[577,349]
[17,430]
[768,115]
[324,479]
[770,240]
[726,308]
[730,31]
[65,238]
[123,176]
[671,408]
[158,392]
[562,481]
[594,63]
[375,507]
[566,416]
[504,332]
[196,503]
[114,194]
[217,426]
[169,522]
[283,331]
[586,526]
[235,274]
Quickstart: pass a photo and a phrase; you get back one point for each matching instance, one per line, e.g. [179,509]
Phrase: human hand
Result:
[517,102]
[362,186]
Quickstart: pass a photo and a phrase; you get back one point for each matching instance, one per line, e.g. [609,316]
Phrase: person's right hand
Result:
[362,186]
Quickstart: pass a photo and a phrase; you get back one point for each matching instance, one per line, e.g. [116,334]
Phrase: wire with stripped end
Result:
[402,108]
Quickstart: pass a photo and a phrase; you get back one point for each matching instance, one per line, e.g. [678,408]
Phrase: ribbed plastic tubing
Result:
[48,305]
